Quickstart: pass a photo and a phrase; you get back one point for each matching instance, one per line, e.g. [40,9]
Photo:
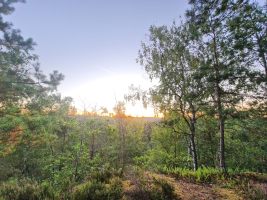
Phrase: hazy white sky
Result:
[94,43]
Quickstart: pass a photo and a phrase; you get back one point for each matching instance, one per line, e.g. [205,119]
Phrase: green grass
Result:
[202,175]
[212,175]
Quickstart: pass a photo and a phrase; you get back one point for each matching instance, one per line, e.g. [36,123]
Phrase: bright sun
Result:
[106,91]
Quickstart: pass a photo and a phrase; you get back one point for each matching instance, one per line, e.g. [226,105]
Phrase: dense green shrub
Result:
[97,190]
[165,190]
[102,174]
[157,158]
[25,189]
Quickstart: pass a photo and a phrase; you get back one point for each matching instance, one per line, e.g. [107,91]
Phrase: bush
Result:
[142,186]
[156,159]
[25,189]
[97,190]
[252,191]
[165,190]
[90,190]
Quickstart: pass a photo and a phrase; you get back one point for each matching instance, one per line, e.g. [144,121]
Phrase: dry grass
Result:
[186,190]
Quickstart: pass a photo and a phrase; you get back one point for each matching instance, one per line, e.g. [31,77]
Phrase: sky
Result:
[94,43]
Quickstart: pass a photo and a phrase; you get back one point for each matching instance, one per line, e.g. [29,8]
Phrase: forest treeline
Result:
[210,70]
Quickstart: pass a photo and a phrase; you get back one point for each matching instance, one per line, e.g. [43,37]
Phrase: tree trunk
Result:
[123,148]
[221,125]
[222,147]
[92,147]
[193,145]
[76,162]
[175,150]
[261,53]
[191,123]
[218,97]
[122,132]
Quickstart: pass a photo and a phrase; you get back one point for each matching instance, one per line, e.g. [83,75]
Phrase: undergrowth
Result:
[251,185]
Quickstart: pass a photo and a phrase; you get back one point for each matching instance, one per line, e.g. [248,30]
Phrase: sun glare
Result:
[106,91]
